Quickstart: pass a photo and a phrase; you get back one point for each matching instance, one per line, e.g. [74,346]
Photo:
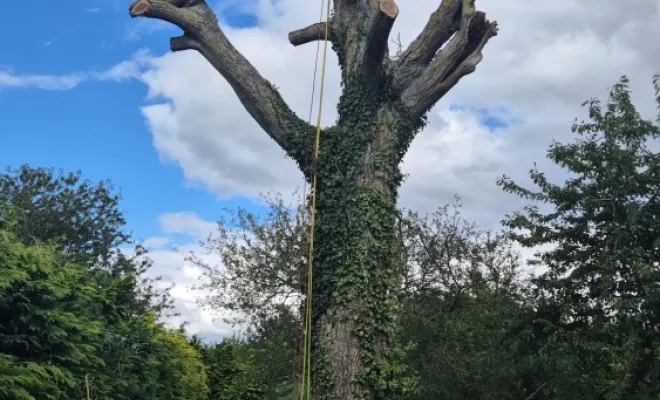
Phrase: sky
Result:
[85,87]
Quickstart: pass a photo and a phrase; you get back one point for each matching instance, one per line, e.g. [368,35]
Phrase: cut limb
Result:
[310,33]
[262,101]
[389,8]
[379,36]
[442,24]
[458,58]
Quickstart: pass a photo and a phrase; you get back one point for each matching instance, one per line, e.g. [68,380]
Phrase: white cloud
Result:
[157,242]
[186,223]
[45,82]
[93,9]
[179,235]
[128,69]
[547,59]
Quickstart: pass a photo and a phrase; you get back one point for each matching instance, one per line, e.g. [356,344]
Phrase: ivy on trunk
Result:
[382,107]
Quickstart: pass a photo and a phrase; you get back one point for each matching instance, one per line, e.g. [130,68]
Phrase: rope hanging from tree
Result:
[306,375]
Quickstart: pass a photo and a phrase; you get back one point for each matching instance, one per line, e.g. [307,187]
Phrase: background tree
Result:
[76,312]
[448,256]
[459,283]
[82,219]
[382,107]
[273,352]
[263,261]
[144,360]
[47,335]
[230,371]
[600,296]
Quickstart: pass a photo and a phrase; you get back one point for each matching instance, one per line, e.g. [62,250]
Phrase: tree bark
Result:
[381,109]
[310,33]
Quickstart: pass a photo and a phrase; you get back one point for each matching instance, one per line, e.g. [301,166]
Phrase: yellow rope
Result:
[306,387]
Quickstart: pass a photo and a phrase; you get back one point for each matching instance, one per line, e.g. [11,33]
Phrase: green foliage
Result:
[460,350]
[599,297]
[149,361]
[75,308]
[228,372]
[270,346]
[81,217]
[47,336]
[181,370]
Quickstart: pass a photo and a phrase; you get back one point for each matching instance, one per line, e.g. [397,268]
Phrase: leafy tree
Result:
[453,271]
[462,293]
[460,345]
[600,296]
[181,371]
[46,333]
[228,368]
[264,261]
[382,107]
[84,220]
[82,217]
[273,348]
[78,216]
[149,361]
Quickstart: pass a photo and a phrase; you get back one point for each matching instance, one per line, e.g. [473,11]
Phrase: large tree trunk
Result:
[382,107]
[354,261]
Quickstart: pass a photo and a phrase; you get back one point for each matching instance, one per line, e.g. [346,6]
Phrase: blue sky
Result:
[95,127]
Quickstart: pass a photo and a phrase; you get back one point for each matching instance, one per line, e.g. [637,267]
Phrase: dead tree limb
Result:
[459,57]
[259,97]
[310,34]
[378,36]
[442,24]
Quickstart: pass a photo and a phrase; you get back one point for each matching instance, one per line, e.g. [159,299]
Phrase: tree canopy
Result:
[600,291]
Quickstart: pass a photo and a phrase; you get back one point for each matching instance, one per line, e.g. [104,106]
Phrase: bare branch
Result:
[310,34]
[258,96]
[442,24]
[378,36]
[459,58]
[181,43]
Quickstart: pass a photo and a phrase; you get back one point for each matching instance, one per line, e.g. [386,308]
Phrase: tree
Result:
[447,256]
[83,220]
[271,343]
[83,217]
[460,347]
[263,262]
[143,359]
[450,267]
[230,375]
[47,336]
[181,370]
[382,107]
[600,292]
